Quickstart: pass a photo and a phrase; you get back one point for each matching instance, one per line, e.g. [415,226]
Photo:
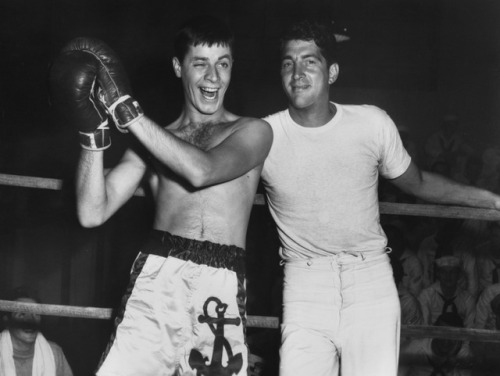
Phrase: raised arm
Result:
[244,149]
[100,194]
[439,189]
[72,82]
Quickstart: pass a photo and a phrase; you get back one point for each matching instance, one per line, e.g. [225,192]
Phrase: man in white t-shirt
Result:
[340,305]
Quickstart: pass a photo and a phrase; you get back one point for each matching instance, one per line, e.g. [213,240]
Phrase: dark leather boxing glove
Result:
[72,79]
[114,89]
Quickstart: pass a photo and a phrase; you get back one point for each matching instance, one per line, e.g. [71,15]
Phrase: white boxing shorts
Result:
[183,312]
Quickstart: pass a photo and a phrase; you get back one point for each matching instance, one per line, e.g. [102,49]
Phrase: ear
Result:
[333,73]
[177,67]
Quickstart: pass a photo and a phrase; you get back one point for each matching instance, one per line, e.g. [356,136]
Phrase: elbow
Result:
[88,220]
[198,182]
[200,178]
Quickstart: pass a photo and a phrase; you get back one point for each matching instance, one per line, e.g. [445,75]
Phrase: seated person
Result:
[411,314]
[486,353]
[437,356]
[445,295]
[24,351]
[412,267]
[485,317]
[488,263]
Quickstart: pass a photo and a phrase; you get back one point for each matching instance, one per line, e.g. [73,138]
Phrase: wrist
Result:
[98,140]
[125,111]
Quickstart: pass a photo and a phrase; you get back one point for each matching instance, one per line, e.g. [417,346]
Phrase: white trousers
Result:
[341,315]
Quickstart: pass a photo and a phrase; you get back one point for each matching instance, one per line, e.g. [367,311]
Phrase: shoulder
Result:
[491,291]
[253,125]
[428,292]
[56,350]
[251,122]
[367,114]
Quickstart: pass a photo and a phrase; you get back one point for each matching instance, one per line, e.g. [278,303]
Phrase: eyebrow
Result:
[198,58]
[303,57]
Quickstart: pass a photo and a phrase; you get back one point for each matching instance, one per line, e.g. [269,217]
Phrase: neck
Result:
[448,291]
[313,116]
[21,347]
[192,116]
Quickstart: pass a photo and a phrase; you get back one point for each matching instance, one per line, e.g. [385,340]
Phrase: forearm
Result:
[90,188]
[438,189]
[184,159]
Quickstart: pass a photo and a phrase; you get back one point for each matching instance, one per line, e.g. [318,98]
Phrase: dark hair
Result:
[198,30]
[22,292]
[18,293]
[319,32]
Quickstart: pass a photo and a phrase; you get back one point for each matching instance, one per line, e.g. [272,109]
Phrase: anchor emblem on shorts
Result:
[199,362]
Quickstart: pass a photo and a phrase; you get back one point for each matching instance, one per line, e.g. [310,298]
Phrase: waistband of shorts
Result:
[202,252]
[343,257]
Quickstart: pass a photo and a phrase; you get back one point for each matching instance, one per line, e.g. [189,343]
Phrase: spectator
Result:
[412,267]
[437,356]
[487,302]
[488,263]
[24,351]
[451,237]
[445,144]
[486,354]
[489,176]
[433,246]
[445,295]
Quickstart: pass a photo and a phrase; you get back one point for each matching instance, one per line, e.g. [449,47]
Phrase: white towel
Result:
[44,363]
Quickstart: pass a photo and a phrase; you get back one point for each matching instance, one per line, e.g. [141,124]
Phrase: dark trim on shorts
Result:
[163,243]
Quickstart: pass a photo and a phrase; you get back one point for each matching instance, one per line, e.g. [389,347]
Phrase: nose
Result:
[298,71]
[212,74]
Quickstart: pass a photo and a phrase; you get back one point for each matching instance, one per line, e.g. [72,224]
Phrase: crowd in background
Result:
[447,270]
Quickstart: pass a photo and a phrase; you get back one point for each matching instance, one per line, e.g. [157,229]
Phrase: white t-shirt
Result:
[322,183]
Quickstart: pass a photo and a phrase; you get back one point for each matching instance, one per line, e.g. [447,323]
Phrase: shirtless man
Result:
[184,310]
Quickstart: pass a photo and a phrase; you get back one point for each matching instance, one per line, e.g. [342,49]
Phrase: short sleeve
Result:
[394,159]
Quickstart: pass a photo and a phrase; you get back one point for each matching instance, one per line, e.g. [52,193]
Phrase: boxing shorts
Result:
[183,311]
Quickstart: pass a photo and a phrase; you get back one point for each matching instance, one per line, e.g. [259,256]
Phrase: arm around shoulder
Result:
[439,189]
[245,149]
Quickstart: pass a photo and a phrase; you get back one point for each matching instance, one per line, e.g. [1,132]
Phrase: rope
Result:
[421,210]
[416,331]
[103,313]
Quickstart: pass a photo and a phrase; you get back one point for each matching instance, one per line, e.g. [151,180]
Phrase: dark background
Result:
[417,59]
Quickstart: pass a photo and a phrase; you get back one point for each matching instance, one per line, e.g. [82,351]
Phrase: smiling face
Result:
[205,73]
[24,327]
[305,75]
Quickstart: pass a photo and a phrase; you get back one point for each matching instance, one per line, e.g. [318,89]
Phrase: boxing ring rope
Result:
[416,331]
[422,210]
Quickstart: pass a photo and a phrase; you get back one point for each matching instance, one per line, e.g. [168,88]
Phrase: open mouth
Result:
[209,93]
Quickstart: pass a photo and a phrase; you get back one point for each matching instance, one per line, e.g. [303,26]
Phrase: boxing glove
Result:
[72,81]
[113,87]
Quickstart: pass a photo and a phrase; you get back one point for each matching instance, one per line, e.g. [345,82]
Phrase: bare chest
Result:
[203,136]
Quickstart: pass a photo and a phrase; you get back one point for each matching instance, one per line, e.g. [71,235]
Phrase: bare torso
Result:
[217,213]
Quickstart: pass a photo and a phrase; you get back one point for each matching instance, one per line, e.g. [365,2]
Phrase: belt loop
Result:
[282,262]
[388,250]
